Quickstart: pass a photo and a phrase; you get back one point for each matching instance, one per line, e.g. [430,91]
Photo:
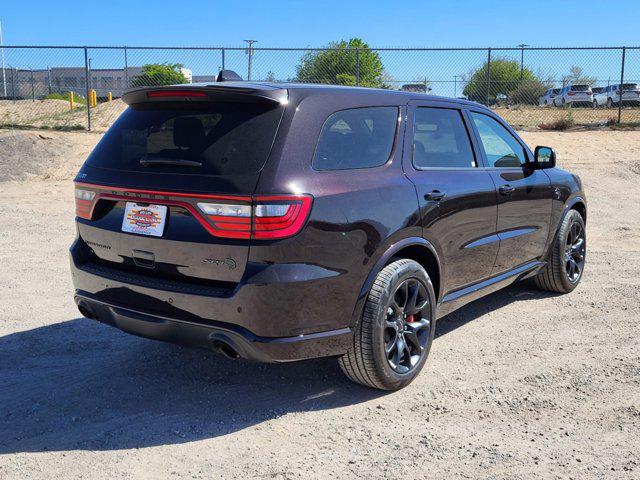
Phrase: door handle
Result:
[434,196]
[506,190]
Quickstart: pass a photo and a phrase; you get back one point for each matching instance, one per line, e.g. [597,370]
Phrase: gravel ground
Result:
[521,384]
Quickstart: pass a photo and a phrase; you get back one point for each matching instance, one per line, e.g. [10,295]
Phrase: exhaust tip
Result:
[225,349]
[86,311]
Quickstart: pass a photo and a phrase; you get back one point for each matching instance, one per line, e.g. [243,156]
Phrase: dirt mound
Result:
[56,114]
[43,155]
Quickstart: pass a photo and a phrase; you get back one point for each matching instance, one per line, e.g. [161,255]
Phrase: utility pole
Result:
[521,46]
[4,76]
[455,85]
[250,54]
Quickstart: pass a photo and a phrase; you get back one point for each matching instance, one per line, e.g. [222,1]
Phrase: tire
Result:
[558,275]
[595,104]
[372,360]
[609,103]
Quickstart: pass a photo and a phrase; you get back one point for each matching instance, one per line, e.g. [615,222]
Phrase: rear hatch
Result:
[168,191]
[580,91]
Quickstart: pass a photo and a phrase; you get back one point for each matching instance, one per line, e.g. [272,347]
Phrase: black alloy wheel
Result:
[574,252]
[407,326]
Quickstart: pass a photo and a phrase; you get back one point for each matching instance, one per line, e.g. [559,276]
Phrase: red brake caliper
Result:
[410,319]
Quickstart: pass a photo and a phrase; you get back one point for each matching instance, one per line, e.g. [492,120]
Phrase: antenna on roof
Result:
[228,76]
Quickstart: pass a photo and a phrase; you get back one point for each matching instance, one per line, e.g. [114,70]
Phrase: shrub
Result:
[65,96]
[527,93]
[560,124]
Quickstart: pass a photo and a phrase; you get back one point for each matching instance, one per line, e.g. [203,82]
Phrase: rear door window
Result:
[207,139]
[356,138]
[440,139]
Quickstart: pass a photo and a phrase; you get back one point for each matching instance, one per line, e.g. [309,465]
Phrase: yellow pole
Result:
[110,96]
[92,98]
[71,101]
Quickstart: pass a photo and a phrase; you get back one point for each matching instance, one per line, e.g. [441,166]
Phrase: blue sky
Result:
[314,23]
[287,23]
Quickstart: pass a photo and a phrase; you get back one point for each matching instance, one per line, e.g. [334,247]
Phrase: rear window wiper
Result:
[170,162]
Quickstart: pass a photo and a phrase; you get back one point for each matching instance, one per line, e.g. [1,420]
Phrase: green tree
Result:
[528,92]
[338,65]
[155,74]
[504,78]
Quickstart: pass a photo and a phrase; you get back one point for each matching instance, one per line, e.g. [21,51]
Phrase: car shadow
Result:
[80,385]
[83,385]
[518,292]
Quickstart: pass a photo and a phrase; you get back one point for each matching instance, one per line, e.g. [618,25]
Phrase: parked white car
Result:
[547,98]
[630,94]
[574,96]
[600,97]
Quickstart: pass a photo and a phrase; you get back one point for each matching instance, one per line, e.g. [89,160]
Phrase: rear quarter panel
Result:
[356,215]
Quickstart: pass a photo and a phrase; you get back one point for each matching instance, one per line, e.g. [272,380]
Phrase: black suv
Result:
[280,222]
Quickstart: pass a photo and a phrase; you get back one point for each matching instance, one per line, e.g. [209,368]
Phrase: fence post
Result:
[49,80]
[126,68]
[223,66]
[357,66]
[488,76]
[13,84]
[620,89]
[33,91]
[86,77]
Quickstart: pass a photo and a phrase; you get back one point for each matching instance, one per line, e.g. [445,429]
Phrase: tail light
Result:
[279,216]
[84,199]
[266,217]
[229,220]
[176,93]
[226,216]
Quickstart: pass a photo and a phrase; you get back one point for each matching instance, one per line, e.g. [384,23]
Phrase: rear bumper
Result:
[229,339]
[279,314]
[580,102]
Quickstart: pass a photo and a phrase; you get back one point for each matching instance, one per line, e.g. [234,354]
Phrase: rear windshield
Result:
[580,88]
[206,139]
[629,86]
[597,89]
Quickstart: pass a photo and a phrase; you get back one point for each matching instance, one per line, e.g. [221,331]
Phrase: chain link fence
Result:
[80,87]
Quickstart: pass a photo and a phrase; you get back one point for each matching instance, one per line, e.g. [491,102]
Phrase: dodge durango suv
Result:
[280,222]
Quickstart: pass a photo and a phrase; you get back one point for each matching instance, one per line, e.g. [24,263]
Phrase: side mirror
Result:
[545,157]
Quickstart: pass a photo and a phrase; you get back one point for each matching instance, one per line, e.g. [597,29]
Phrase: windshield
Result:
[207,139]
[629,86]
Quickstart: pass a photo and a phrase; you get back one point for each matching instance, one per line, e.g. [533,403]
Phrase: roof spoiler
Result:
[225,92]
